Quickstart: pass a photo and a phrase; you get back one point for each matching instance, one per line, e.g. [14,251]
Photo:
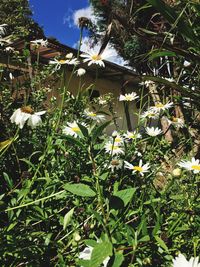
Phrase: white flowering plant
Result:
[76,193]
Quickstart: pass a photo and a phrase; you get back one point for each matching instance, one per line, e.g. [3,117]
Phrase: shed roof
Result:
[112,71]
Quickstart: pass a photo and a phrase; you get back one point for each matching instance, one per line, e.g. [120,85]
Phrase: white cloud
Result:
[115,58]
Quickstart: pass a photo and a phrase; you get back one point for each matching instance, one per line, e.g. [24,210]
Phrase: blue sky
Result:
[56,17]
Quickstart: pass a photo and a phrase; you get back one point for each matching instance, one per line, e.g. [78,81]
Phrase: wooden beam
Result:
[9,66]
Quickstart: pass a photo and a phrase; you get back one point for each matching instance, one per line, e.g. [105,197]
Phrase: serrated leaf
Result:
[67,218]
[82,190]
[125,195]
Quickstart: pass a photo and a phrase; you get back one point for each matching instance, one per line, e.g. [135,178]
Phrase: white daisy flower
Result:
[81,72]
[115,164]
[177,122]
[128,97]
[140,168]
[59,63]
[72,129]
[161,107]
[118,139]
[40,42]
[181,261]
[132,135]
[94,116]
[151,131]
[150,114]
[94,58]
[35,119]
[73,61]
[113,149]
[192,165]
[87,253]
[21,115]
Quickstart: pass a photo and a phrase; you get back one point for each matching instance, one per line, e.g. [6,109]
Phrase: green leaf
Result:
[145,238]
[67,218]
[73,140]
[156,228]
[8,180]
[161,54]
[99,253]
[5,143]
[90,242]
[161,243]
[104,176]
[83,129]
[82,190]
[154,200]
[119,258]
[97,131]
[125,195]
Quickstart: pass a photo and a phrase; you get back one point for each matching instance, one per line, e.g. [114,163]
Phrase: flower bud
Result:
[176,172]
[114,134]
[77,237]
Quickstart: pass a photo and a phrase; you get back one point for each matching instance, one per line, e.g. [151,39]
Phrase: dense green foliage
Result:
[17,15]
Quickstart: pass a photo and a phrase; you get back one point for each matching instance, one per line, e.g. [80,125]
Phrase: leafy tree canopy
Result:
[17,15]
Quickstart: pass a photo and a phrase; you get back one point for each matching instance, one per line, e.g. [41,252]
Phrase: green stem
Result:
[35,201]
[66,87]
[99,194]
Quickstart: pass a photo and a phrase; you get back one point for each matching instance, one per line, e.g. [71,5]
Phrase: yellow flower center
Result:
[196,167]
[160,105]
[92,114]
[96,57]
[76,129]
[115,162]
[27,109]
[118,139]
[128,97]
[137,168]
[151,114]
[62,61]
[174,119]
